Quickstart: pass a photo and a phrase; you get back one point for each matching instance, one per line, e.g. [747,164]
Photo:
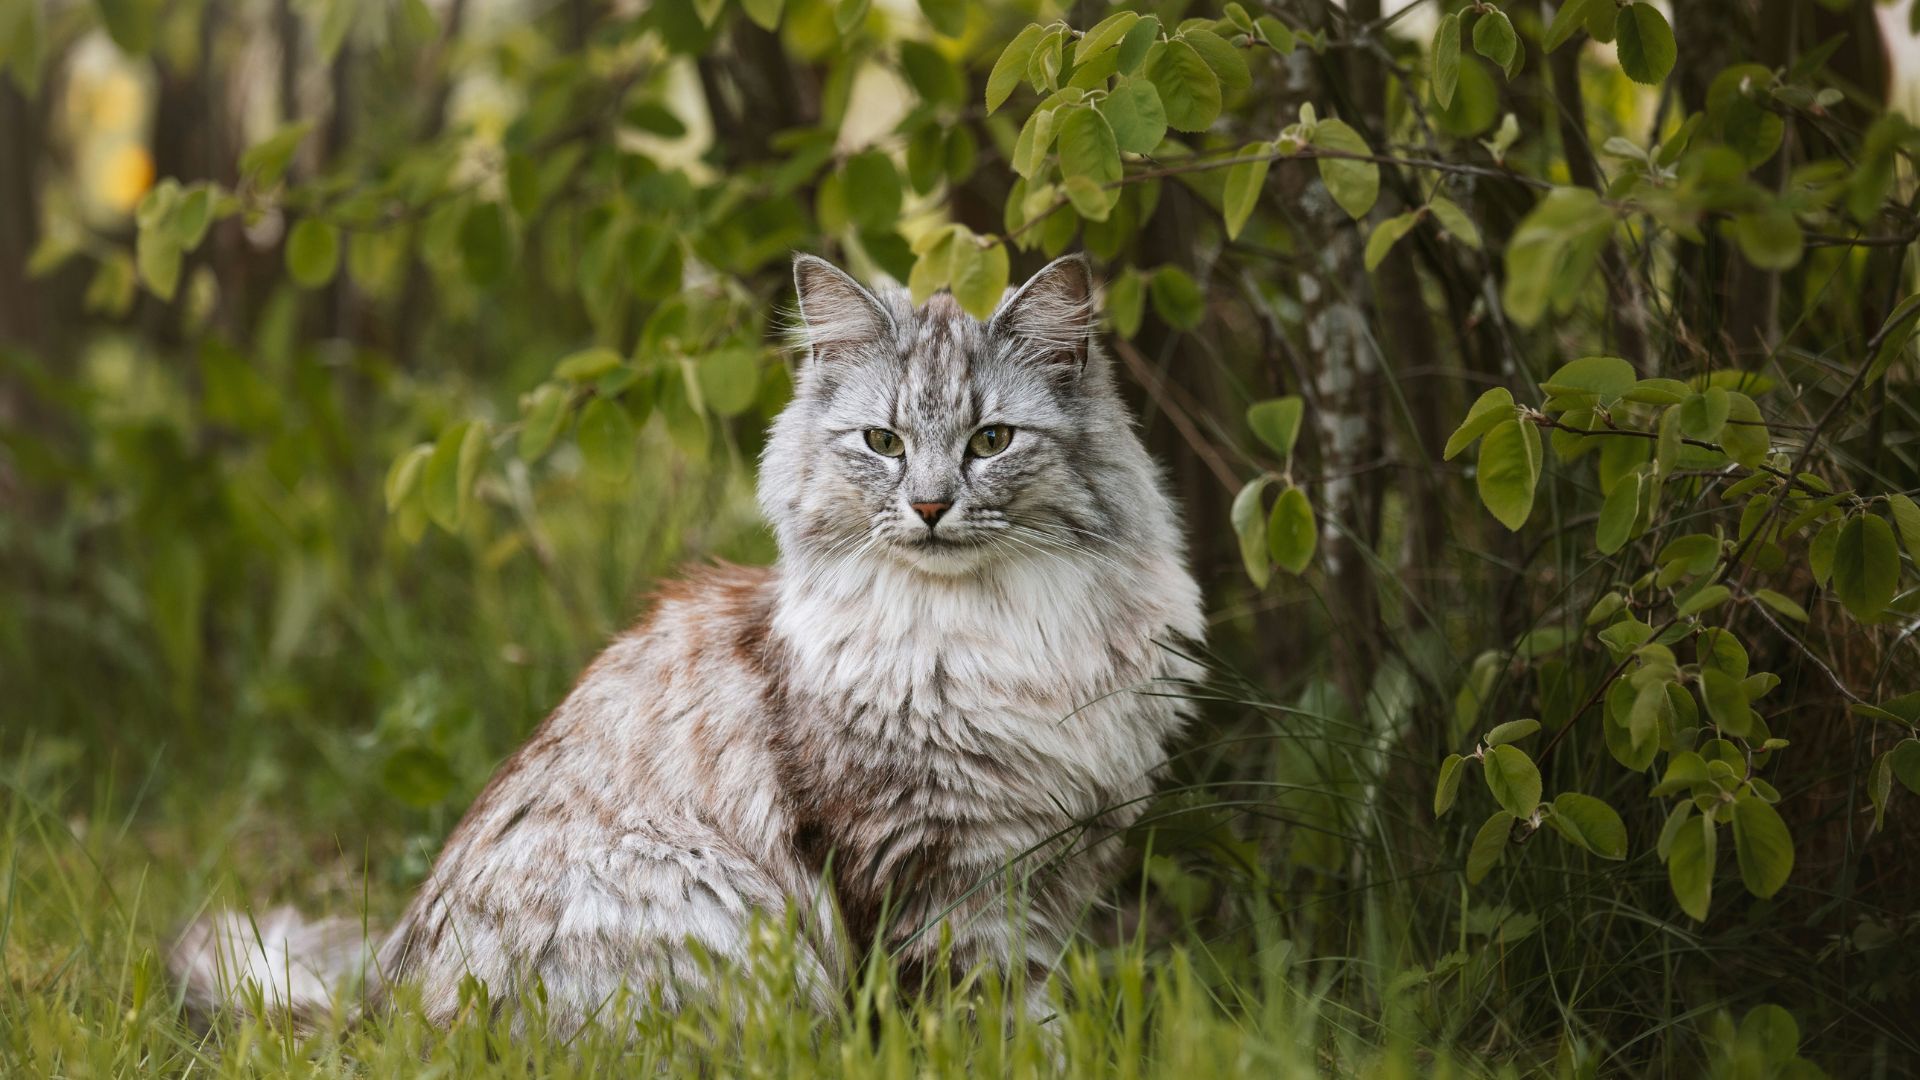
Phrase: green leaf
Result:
[1513,779]
[1105,34]
[949,17]
[1675,823]
[1138,43]
[1690,859]
[1490,410]
[541,420]
[1904,759]
[1250,525]
[1726,700]
[1030,148]
[447,483]
[1126,302]
[1455,221]
[1509,469]
[1225,60]
[1894,334]
[1447,789]
[1569,17]
[935,78]
[1243,187]
[1276,422]
[1087,147]
[1493,38]
[1446,59]
[587,364]
[1606,377]
[1745,438]
[1489,845]
[403,477]
[1553,251]
[1880,789]
[1011,68]
[606,438]
[1782,604]
[1770,238]
[872,186]
[1275,33]
[1589,823]
[1177,298]
[265,162]
[1292,533]
[979,277]
[1386,234]
[1645,43]
[1511,732]
[1762,844]
[1866,566]
[1667,447]
[848,15]
[157,254]
[485,244]
[764,13]
[313,253]
[1906,516]
[1704,600]
[1355,185]
[1821,551]
[1618,514]
[1703,415]
[1134,111]
[1189,89]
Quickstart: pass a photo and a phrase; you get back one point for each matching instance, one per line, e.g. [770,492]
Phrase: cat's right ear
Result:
[836,312]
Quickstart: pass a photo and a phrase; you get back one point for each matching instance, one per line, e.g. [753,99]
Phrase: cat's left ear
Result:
[1050,319]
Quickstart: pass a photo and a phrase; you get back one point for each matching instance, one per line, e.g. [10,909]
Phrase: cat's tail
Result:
[277,961]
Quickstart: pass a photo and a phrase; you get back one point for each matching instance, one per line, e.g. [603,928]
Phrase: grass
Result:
[90,898]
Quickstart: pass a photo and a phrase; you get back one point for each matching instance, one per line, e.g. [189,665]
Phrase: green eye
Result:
[990,440]
[884,442]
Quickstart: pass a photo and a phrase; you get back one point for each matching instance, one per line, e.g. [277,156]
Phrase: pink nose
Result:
[930,511]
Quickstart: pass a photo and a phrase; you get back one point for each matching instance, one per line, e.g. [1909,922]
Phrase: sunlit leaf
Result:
[1292,533]
[1277,423]
[1514,779]
[1250,525]
[1509,470]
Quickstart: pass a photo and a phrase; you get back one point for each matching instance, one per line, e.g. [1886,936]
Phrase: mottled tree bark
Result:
[1344,365]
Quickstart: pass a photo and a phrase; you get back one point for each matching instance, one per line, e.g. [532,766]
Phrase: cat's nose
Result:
[930,511]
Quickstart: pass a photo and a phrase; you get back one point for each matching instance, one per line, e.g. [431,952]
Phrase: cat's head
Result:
[929,437]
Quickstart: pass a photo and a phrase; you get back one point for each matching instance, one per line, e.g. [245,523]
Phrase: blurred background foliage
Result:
[363,362]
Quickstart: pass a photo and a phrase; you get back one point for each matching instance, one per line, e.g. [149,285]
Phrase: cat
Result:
[939,707]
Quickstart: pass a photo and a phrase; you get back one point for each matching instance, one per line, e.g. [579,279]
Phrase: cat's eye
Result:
[990,440]
[885,443]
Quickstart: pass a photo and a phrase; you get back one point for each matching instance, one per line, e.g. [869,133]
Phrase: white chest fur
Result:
[1050,655]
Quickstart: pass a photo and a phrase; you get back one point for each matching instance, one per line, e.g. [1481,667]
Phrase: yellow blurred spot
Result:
[126,172]
[117,103]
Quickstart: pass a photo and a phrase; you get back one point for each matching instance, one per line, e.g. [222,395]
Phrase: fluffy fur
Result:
[896,729]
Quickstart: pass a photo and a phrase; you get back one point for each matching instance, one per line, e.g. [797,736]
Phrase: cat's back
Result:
[648,792]
[669,708]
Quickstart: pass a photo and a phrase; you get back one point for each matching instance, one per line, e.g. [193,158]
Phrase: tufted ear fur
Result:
[1050,318]
[835,311]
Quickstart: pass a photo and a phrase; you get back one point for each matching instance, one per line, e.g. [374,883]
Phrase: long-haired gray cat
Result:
[954,677]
